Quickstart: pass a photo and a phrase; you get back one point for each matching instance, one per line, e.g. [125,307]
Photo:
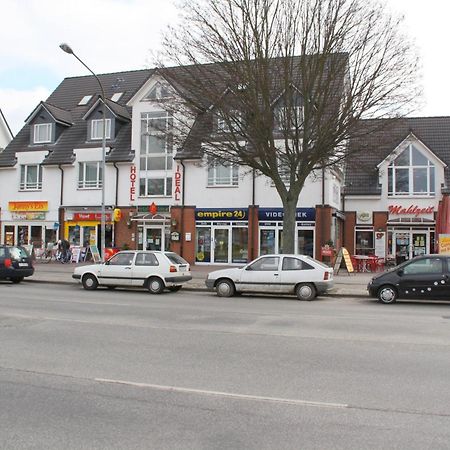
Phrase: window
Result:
[221,173]
[85,100]
[146,259]
[121,259]
[90,175]
[411,173]
[156,154]
[364,242]
[30,177]
[268,264]
[424,266]
[289,118]
[295,264]
[159,91]
[97,129]
[42,133]
[231,123]
[116,96]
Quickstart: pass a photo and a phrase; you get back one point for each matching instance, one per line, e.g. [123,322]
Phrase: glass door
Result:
[203,253]
[221,245]
[153,239]
[402,246]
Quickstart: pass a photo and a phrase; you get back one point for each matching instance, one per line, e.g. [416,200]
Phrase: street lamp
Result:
[66,48]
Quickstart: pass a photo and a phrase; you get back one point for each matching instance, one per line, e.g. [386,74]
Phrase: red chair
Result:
[380,264]
[372,263]
[355,263]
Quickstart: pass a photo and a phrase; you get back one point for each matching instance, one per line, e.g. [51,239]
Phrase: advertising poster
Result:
[380,244]
[444,244]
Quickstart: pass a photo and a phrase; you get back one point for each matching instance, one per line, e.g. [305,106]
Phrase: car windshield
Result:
[18,252]
[176,259]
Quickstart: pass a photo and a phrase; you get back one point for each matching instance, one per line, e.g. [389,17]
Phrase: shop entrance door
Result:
[402,241]
[154,238]
[420,243]
[410,243]
[221,247]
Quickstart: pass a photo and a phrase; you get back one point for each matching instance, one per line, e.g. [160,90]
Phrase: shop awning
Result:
[151,218]
[443,216]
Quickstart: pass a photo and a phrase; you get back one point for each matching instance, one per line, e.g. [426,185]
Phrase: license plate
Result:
[23,264]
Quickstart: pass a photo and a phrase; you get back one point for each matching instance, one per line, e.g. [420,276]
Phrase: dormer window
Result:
[232,123]
[289,118]
[42,133]
[97,129]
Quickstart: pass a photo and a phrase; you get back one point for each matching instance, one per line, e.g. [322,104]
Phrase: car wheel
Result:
[387,294]
[89,282]
[155,285]
[17,280]
[305,292]
[225,288]
[174,288]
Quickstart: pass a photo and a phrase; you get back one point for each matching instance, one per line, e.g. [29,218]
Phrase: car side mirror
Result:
[248,268]
[106,263]
[400,272]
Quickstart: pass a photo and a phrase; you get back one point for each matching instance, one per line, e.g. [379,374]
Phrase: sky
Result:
[116,35]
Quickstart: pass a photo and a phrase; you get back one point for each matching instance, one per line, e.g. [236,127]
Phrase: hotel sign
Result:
[27,206]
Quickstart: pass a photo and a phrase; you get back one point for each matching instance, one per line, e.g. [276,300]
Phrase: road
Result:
[124,369]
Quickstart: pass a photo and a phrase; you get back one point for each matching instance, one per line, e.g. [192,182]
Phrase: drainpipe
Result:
[117,184]
[61,199]
[183,184]
[251,249]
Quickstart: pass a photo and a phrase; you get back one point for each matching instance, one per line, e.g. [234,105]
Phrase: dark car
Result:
[423,277]
[15,263]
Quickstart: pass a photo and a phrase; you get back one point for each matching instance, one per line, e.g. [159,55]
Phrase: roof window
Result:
[115,97]
[85,100]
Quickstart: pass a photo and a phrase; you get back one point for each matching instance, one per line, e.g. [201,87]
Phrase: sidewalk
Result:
[54,272]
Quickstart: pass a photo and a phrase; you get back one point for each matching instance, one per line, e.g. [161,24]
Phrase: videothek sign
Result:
[412,210]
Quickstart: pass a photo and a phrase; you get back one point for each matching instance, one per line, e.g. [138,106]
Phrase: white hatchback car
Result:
[274,274]
[149,269]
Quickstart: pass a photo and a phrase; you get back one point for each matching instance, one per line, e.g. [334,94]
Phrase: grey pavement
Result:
[54,272]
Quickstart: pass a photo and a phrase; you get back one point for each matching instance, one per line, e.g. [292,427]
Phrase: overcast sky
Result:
[115,35]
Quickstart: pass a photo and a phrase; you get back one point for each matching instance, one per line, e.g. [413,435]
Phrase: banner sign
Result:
[91,216]
[28,215]
[444,244]
[28,206]
[225,214]
[301,215]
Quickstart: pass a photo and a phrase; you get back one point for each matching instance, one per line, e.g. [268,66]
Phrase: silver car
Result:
[153,270]
[274,274]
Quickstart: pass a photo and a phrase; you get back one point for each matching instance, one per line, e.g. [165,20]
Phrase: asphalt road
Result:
[124,369]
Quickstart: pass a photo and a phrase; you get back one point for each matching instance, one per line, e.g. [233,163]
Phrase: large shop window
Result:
[156,155]
[30,177]
[221,173]
[90,175]
[364,242]
[411,173]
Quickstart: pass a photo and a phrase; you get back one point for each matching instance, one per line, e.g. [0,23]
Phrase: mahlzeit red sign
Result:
[412,210]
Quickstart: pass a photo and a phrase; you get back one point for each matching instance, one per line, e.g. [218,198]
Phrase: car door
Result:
[117,270]
[293,271]
[144,265]
[263,275]
[423,278]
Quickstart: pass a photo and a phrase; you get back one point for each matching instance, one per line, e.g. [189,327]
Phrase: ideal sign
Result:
[177,191]
[133,177]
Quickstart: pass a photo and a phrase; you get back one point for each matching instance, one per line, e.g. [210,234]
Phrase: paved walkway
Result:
[55,272]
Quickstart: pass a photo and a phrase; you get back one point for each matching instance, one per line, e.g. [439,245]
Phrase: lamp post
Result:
[66,48]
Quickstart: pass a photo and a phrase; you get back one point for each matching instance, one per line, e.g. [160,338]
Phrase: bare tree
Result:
[279,86]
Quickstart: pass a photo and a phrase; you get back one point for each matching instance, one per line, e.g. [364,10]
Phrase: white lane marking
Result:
[224,394]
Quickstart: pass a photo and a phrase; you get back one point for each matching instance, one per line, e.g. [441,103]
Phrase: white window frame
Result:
[37,130]
[145,170]
[33,185]
[83,183]
[214,179]
[95,128]
[392,170]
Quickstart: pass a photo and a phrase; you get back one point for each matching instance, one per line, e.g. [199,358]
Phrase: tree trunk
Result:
[290,207]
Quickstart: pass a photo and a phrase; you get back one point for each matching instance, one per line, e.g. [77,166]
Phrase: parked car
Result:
[423,277]
[15,263]
[153,270]
[274,274]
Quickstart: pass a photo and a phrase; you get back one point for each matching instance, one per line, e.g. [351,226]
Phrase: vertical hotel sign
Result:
[133,177]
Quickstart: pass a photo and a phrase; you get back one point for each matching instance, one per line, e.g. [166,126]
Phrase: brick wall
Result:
[185,223]
[125,229]
[349,231]
[323,227]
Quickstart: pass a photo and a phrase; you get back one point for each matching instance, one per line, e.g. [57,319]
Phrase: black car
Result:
[423,277]
[15,263]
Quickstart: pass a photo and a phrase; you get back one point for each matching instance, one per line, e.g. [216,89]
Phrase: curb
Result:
[192,289]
